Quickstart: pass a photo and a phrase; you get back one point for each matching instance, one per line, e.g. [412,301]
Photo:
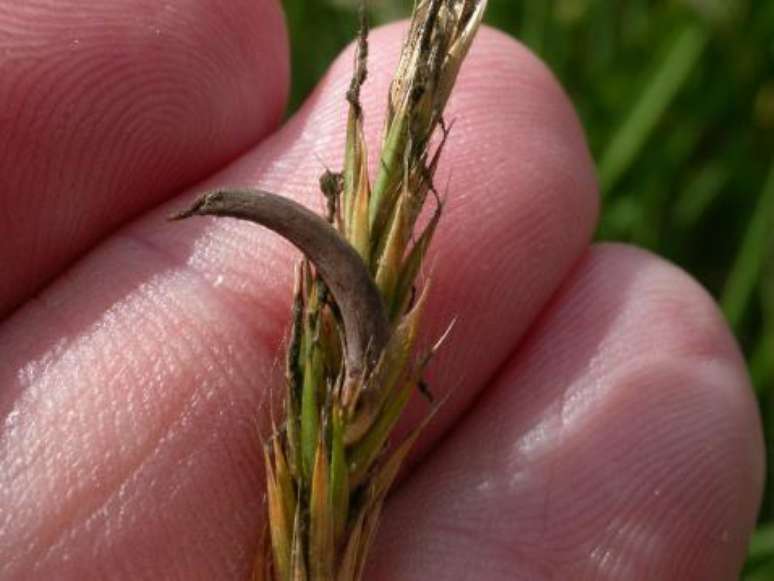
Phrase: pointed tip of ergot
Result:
[177,216]
[194,210]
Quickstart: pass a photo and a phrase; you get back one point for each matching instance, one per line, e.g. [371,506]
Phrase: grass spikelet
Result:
[346,421]
[298,570]
[321,527]
[351,366]
[280,527]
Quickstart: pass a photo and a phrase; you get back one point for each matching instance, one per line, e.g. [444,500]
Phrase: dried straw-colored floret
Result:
[351,365]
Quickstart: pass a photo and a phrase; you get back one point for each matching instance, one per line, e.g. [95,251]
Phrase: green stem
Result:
[700,194]
[660,91]
[751,257]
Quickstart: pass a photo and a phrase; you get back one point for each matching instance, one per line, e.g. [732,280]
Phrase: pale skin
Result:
[601,424]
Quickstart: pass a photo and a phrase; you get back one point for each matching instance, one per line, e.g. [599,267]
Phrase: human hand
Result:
[600,424]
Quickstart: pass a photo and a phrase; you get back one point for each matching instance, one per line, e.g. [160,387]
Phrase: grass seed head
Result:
[350,366]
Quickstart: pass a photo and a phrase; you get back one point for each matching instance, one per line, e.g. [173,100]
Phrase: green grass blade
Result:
[751,257]
[699,195]
[281,533]
[321,547]
[660,91]
[284,482]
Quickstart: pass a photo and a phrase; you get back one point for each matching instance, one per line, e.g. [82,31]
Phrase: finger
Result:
[138,394]
[109,107]
[622,442]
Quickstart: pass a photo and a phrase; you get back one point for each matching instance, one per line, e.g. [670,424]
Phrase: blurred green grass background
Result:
[677,98]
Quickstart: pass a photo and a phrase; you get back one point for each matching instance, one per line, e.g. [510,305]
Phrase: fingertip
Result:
[113,106]
[620,441]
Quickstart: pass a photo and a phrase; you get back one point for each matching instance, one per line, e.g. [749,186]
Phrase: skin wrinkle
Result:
[267,341]
[82,511]
[634,536]
[271,317]
[153,438]
[688,468]
[41,310]
[679,325]
[156,441]
[493,538]
[624,511]
[131,565]
[676,421]
[253,509]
